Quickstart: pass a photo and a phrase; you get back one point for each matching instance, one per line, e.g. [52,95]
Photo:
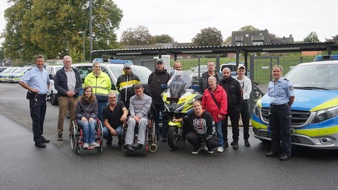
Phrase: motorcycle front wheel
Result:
[174,137]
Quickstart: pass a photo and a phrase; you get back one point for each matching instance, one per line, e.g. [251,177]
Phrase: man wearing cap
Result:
[246,87]
[125,83]
[157,82]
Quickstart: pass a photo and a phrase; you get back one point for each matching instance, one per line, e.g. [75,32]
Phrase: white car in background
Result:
[52,69]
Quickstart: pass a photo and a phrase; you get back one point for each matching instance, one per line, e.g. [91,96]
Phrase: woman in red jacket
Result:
[215,102]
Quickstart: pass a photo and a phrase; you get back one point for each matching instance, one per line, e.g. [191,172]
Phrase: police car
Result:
[315,109]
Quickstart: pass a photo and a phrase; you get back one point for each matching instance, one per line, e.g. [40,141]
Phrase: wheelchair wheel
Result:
[152,148]
[73,137]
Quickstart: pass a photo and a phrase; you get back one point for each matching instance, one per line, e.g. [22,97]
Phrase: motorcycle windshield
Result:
[179,82]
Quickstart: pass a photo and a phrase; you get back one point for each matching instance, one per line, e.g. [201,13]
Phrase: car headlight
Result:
[257,111]
[326,114]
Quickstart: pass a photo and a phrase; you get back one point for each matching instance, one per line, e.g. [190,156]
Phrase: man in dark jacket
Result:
[125,83]
[203,83]
[233,90]
[157,82]
[68,84]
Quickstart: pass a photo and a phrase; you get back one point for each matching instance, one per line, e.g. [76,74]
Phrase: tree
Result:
[334,39]
[208,37]
[311,38]
[248,28]
[163,38]
[137,36]
[51,27]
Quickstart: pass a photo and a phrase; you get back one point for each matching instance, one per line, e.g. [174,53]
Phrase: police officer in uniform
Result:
[281,94]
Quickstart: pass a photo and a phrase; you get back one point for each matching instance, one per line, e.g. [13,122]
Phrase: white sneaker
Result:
[220,149]
[85,145]
[94,145]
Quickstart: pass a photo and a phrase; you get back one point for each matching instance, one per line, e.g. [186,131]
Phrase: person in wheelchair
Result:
[139,106]
[199,128]
[114,115]
[86,115]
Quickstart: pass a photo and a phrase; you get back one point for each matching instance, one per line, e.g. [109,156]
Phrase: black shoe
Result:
[234,145]
[246,142]
[45,140]
[40,145]
[271,154]
[196,150]
[137,146]
[284,157]
[128,147]
[226,144]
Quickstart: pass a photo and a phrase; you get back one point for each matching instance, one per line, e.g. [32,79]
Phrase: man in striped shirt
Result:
[138,108]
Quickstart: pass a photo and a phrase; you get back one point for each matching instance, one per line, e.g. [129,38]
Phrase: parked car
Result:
[2,69]
[4,74]
[314,113]
[17,74]
[232,66]
[194,75]
[52,69]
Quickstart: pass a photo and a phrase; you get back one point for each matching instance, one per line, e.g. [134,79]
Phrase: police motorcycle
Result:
[178,101]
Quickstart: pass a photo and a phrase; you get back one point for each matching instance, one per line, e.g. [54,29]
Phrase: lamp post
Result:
[84,45]
[90,29]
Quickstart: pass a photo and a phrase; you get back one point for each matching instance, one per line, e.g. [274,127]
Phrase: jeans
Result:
[107,135]
[100,107]
[88,129]
[219,133]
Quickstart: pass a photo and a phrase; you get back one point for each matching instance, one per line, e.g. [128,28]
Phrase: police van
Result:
[314,120]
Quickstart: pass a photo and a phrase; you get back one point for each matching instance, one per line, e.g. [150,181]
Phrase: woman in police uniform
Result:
[281,94]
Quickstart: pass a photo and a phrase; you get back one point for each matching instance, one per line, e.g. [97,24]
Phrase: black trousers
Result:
[161,130]
[245,118]
[38,108]
[195,140]
[280,124]
[234,118]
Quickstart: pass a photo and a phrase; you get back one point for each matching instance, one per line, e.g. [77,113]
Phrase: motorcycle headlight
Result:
[326,114]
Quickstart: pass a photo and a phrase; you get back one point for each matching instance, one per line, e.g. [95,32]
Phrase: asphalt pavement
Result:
[23,166]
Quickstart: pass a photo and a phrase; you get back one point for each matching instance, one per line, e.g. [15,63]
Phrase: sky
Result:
[183,19]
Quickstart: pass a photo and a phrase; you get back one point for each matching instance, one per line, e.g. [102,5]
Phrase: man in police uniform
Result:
[281,94]
[36,81]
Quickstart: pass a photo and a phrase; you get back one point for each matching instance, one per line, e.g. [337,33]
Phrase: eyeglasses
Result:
[127,68]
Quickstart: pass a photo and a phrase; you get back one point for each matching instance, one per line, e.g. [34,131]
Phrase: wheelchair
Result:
[150,137]
[77,137]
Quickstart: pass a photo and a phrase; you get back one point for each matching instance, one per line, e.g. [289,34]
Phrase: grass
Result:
[262,66]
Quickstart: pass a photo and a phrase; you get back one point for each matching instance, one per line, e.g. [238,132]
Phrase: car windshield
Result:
[314,76]
[142,72]
[9,70]
[19,70]
[203,68]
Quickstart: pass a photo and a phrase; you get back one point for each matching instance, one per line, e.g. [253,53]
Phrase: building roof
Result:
[204,50]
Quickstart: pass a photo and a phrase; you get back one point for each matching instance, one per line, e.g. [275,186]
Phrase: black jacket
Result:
[203,83]
[124,85]
[155,80]
[233,89]
[60,82]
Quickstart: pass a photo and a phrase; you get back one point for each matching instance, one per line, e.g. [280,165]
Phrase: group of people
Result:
[223,97]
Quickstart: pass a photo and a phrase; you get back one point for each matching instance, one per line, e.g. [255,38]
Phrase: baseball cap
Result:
[126,66]
[241,67]
[159,61]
